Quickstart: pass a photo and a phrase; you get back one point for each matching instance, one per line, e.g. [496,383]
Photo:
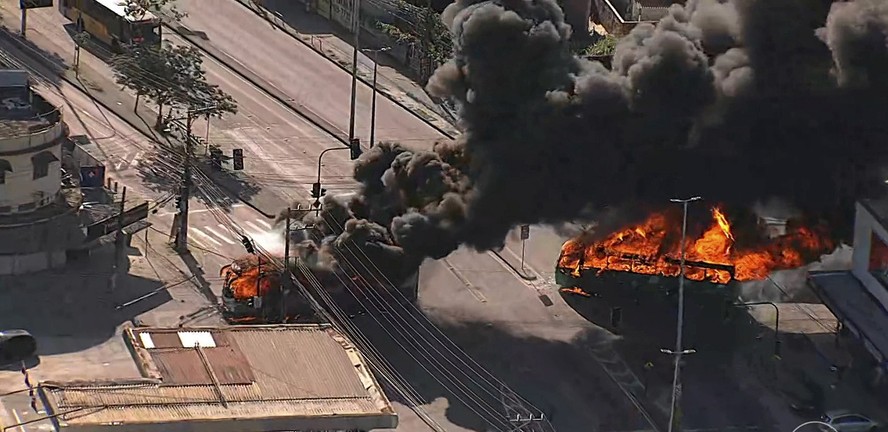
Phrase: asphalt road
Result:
[302,74]
[496,317]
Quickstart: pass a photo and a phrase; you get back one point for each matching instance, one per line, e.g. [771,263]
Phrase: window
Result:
[41,162]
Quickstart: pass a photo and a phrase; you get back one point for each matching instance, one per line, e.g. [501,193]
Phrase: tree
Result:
[428,34]
[80,39]
[603,47]
[130,71]
[168,75]
[139,8]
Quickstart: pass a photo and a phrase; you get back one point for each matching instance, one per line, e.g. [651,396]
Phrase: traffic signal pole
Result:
[185,189]
[316,191]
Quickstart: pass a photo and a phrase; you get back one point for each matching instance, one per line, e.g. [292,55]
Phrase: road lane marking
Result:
[206,236]
[18,420]
[264,223]
[255,227]
[220,236]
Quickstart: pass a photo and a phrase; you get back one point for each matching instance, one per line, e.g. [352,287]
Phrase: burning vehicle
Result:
[715,255]
[254,291]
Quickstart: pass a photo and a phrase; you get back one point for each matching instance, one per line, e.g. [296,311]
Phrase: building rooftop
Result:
[261,378]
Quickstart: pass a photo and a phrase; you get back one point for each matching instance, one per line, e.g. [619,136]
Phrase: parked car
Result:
[16,346]
[845,421]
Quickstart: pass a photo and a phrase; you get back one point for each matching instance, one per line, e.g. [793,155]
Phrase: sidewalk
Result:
[95,80]
[332,45]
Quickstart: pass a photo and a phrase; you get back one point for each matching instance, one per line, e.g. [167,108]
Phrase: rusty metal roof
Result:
[300,376]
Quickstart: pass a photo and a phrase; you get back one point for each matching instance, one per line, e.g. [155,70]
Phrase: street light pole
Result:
[373,103]
[776,322]
[318,184]
[185,189]
[676,377]
[354,84]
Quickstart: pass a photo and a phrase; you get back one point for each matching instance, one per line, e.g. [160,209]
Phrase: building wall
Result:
[866,225]
[21,193]
[610,16]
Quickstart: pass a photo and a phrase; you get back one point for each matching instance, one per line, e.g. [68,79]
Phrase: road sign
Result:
[33,4]
[110,224]
[525,232]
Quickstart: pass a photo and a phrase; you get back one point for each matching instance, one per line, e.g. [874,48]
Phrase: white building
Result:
[37,217]
[31,133]
[859,298]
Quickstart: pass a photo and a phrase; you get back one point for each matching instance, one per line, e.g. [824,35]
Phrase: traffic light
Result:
[216,158]
[248,244]
[355,148]
[179,202]
[238,161]
[317,191]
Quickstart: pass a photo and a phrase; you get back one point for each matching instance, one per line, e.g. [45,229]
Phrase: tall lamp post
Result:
[373,103]
[354,84]
[679,350]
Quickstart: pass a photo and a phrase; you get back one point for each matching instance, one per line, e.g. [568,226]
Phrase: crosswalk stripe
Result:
[219,236]
[204,235]
[255,227]
[264,223]
[136,158]
[192,239]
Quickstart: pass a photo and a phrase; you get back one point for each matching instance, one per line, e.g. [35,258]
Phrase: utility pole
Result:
[118,242]
[24,19]
[285,283]
[354,87]
[185,189]
[674,422]
[373,103]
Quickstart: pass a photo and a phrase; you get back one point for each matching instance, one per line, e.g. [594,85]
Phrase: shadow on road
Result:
[74,307]
[558,378]
[22,48]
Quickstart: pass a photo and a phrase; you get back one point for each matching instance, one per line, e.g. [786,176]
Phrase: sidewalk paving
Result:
[333,45]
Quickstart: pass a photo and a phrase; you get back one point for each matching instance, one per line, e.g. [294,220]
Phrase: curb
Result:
[64,74]
[521,274]
[259,83]
[361,79]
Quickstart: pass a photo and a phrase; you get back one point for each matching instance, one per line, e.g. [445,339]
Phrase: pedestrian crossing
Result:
[216,235]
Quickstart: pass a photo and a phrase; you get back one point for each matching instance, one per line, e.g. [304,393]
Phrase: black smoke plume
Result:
[738,101]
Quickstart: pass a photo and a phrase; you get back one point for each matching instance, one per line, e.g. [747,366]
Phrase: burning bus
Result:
[714,255]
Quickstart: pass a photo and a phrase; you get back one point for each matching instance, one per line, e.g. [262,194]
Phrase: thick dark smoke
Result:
[738,101]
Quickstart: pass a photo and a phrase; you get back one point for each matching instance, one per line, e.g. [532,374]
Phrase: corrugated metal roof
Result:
[263,372]
[301,364]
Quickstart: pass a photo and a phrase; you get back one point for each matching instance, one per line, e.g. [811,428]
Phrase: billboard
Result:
[93,176]
[109,225]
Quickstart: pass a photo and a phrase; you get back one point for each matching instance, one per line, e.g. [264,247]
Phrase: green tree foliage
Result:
[170,76]
[603,47]
[429,35]
[138,8]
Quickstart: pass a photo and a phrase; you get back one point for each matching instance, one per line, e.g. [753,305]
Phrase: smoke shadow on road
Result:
[716,394]
[74,309]
[558,378]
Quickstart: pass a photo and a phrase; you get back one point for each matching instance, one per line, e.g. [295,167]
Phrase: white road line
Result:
[264,223]
[204,235]
[18,420]
[135,161]
[220,236]
[255,227]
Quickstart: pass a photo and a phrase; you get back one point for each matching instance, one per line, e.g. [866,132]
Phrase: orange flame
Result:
[575,290]
[250,278]
[653,247]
